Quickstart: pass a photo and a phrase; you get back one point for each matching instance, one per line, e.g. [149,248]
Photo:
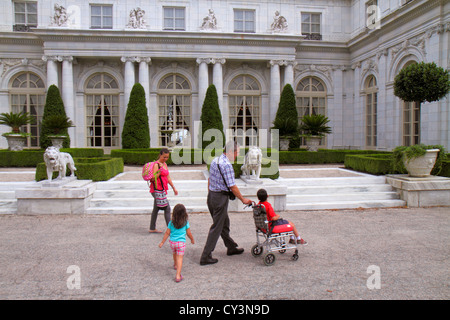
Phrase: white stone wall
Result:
[342,60]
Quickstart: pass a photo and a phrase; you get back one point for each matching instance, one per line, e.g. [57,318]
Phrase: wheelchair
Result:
[271,238]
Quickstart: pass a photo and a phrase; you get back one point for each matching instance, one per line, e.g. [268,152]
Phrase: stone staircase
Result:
[340,193]
[8,202]
[317,193]
[133,197]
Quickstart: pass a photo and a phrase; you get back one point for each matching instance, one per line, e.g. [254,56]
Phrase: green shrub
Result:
[211,118]
[54,106]
[95,169]
[136,132]
[320,157]
[24,158]
[286,119]
[266,163]
[378,164]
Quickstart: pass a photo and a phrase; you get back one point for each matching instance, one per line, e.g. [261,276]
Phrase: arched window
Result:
[102,111]
[410,120]
[174,117]
[371,91]
[311,98]
[27,94]
[244,109]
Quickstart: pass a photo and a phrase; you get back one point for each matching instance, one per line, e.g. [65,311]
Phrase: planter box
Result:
[421,166]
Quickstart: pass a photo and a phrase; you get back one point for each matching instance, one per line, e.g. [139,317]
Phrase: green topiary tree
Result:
[136,132]
[286,119]
[211,116]
[422,82]
[54,106]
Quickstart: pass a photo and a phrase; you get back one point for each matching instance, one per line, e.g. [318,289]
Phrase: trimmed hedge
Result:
[95,169]
[31,157]
[380,164]
[321,156]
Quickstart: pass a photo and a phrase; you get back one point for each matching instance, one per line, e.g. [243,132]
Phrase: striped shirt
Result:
[216,182]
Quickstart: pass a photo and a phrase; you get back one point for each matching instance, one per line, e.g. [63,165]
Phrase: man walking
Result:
[221,185]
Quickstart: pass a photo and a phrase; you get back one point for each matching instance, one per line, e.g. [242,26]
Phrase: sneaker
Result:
[303,242]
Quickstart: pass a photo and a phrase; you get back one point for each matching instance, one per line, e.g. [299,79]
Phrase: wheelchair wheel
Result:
[269,259]
[295,257]
[257,250]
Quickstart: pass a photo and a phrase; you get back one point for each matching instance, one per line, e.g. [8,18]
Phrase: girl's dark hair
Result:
[179,216]
[262,195]
[163,151]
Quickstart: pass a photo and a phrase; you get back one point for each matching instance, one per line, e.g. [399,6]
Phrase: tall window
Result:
[174,18]
[101,16]
[174,118]
[371,91]
[102,111]
[411,120]
[311,26]
[27,94]
[244,109]
[411,123]
[25,15]
[311,97]
[244,20]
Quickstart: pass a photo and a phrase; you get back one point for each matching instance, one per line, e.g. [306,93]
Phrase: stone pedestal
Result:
[421,192]
[62,196]
[249,187]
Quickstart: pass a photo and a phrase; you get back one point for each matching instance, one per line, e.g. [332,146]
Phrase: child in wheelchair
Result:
[275,219]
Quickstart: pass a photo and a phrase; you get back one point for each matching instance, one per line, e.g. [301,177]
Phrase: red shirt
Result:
[269,210]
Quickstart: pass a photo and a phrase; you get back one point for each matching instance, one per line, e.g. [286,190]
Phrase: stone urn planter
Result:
[313,142]
[421,166]
[57,141]
[284,143]
[16,142]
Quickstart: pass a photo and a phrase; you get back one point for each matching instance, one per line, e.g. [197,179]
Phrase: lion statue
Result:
[252,163]
[58,161]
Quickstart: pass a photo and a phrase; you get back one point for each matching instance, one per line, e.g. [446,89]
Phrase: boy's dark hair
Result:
[179,216]
[262,195]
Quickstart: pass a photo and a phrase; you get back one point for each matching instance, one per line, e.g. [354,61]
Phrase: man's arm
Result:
[238,195]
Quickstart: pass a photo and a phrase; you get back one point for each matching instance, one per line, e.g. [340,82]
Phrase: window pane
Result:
[249,26]
[32,19]
[179,24]
[96,10]
[315,18]
[239,15]
[107,22]
[20,18]
[179,13]
[96,22]
[306,17]
[239,26]
[168,13]
[107,11]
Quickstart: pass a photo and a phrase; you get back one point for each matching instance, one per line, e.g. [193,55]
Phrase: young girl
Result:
[177,229]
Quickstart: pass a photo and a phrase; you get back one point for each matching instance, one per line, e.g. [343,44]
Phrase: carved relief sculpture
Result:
[136,19]
[279,23]
[60,17]
[209,22]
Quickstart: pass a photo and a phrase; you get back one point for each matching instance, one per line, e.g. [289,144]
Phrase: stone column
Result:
[67,94]
[289,73]
[143,77]
[218,80]
[203,80]
[129,77]
[274,88]
[52,69]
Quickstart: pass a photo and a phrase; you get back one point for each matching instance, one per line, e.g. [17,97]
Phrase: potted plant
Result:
[286,119]
[420,82]
[418,160]
[57,124]
[16,139]
[314,127]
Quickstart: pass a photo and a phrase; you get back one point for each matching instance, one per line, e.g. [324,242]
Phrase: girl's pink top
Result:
[164,176]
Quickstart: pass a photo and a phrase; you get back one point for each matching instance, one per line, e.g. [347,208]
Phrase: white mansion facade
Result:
[340,56]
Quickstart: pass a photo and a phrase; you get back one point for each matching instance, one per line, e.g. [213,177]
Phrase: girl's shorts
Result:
[177,247]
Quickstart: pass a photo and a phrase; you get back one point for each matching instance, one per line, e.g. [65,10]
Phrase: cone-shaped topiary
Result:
[54,106]
[286,119]
[136,132]
[211,116]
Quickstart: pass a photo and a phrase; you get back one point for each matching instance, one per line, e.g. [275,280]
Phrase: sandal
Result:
[178,280]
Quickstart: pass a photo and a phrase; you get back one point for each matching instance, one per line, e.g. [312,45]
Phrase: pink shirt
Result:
[164,176]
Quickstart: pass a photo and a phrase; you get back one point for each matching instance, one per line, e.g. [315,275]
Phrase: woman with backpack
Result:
[159,188]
